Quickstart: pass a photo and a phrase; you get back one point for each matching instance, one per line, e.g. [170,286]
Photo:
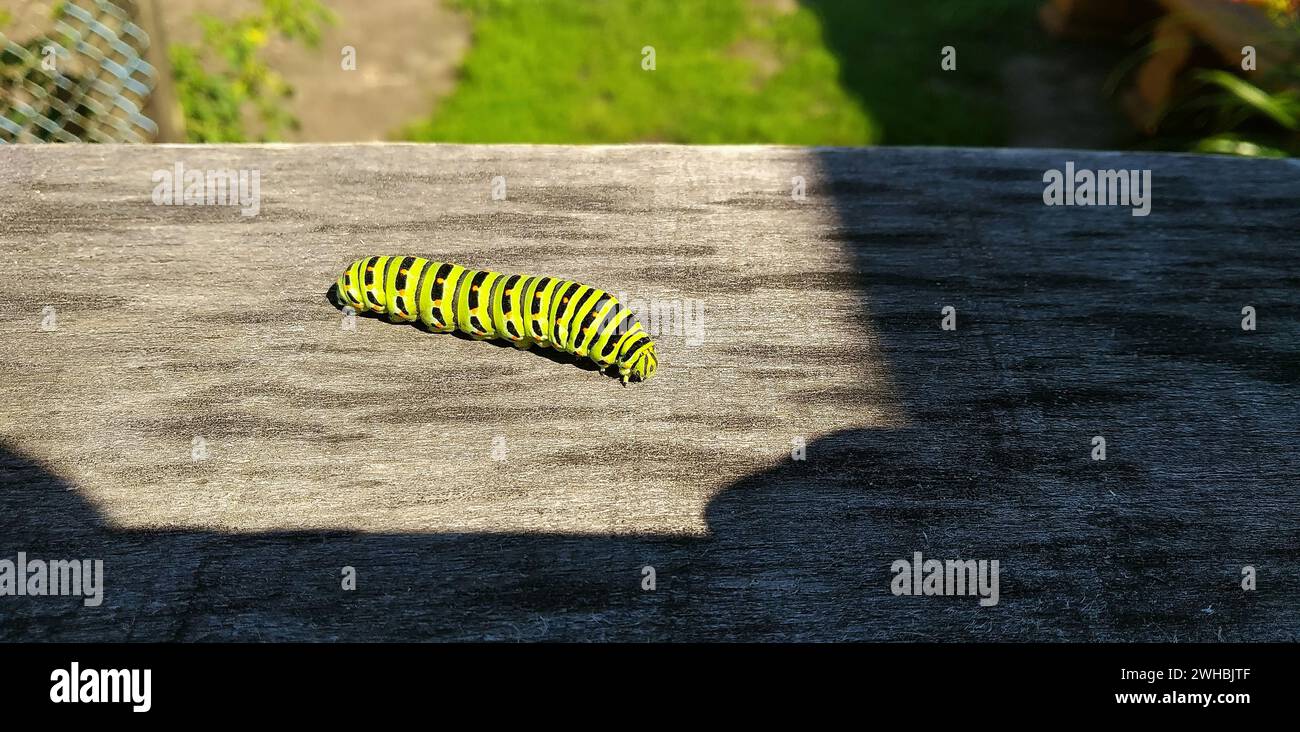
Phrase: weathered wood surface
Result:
[373,447]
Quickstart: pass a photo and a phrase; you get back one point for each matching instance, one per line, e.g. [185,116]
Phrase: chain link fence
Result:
[74,71]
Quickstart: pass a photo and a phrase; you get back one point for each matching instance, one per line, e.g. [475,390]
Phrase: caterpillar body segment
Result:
[522,309]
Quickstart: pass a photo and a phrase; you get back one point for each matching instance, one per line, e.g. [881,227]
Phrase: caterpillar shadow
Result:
[546,352]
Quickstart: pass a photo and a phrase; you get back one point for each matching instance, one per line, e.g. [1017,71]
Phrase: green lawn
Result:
[733,71]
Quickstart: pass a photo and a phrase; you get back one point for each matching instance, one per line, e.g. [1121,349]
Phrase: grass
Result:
[820,72]
[890,51]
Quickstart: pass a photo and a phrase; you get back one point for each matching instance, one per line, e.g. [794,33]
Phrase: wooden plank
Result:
[373,447]
[212,325]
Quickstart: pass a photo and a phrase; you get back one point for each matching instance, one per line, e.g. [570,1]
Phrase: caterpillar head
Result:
[643,365]
[347,290]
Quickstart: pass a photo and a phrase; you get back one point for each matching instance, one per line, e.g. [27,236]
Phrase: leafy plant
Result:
[1236,116]
[1239,104]
[223,79]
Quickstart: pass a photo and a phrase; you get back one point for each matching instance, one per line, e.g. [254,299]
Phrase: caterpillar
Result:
[524,310]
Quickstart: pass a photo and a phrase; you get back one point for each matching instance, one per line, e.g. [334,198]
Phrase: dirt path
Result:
[407,53]
[1059,100]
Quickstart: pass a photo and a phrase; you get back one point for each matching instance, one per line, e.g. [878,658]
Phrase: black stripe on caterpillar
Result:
[524,310]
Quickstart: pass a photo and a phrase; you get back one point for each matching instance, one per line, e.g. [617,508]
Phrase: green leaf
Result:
[1276,107]
[1234,145]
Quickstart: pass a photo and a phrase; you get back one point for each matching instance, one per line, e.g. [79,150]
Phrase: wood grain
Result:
[373,447]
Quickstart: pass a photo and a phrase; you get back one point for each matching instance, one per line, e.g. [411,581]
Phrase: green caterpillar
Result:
[523,309]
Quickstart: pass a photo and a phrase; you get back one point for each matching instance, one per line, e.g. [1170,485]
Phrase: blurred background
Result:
[1219,76]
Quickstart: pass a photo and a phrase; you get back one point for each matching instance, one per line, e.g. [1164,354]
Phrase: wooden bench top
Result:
[375,447]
